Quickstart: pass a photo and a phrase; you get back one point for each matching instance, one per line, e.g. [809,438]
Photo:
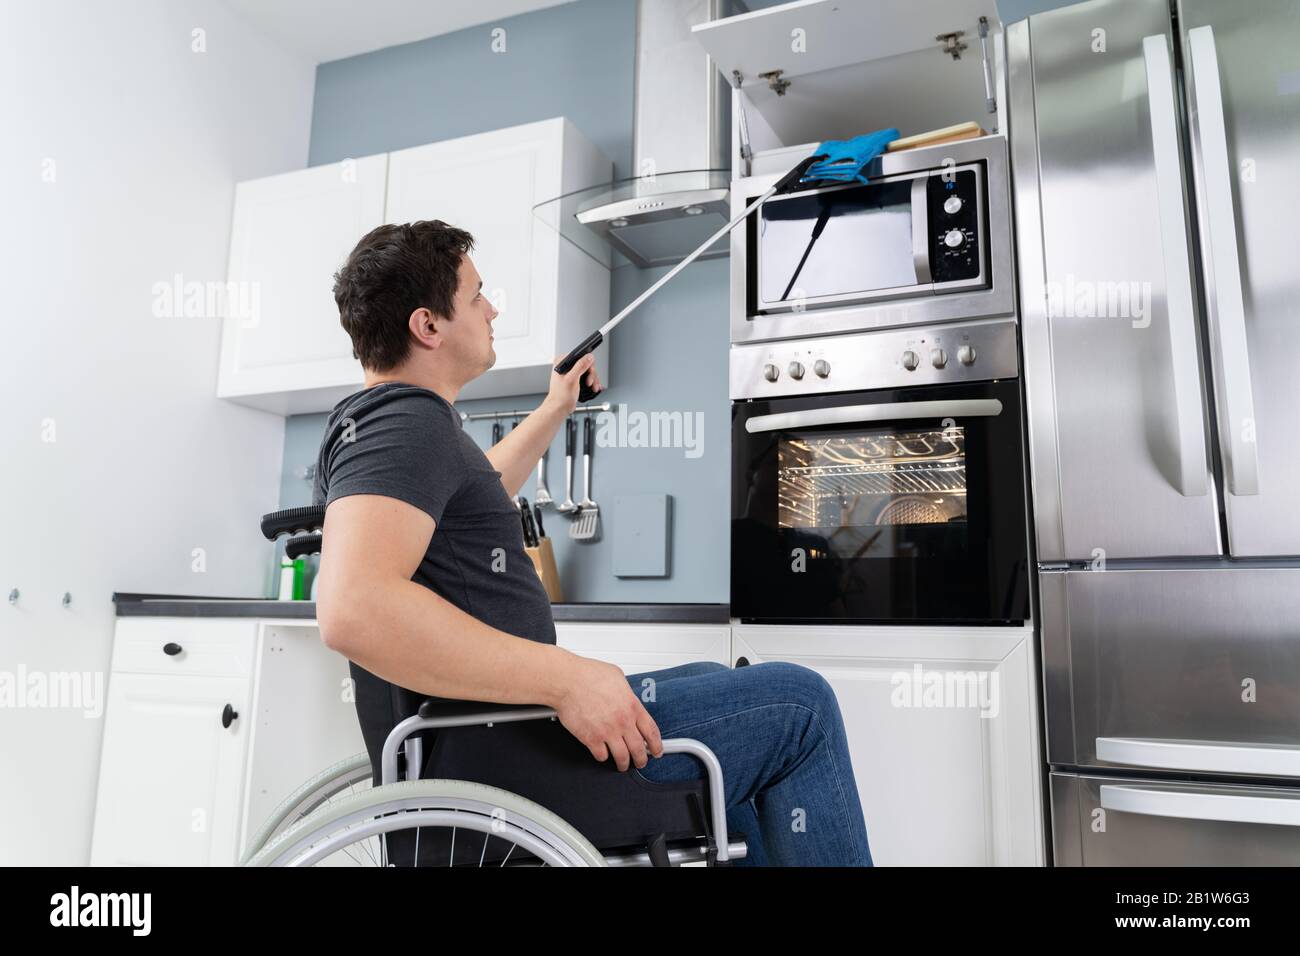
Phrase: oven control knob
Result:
[796,370]
[952,205]
[822,368]
[938,358]
[771,372]
[966,355]
[953,238]
[911,360]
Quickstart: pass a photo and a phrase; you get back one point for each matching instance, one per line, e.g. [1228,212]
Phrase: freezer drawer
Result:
[1123,821]
[1194,670]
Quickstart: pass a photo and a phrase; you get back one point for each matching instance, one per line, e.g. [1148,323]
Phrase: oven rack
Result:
[813,480]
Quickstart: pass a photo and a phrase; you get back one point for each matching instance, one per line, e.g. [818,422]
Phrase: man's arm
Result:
[371,611]
[516,455]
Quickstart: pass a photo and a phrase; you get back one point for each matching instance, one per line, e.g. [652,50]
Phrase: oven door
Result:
[893,505]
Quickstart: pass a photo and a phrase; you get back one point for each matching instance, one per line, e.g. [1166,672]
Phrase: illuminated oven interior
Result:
[871,481]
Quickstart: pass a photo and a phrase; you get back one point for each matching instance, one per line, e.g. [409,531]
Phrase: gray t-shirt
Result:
[406,442]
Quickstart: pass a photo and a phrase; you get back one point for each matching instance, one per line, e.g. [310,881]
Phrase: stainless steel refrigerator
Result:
[1156,166]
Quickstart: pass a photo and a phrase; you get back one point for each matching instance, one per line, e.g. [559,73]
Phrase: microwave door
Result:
[1243,93]
[842,245]
[1113,373]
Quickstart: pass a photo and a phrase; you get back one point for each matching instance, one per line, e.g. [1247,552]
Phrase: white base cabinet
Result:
[646,647]
[183,782]
[942,730]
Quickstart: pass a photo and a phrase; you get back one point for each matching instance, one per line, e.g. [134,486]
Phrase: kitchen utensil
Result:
[588,521]
[567,506]
[496,432]
[537,516]
[530,528]
[543,497]
[786,183]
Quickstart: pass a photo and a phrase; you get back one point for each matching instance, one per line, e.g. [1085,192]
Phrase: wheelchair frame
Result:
[402,739]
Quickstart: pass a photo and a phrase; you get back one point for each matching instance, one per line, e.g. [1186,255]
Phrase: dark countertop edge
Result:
[177,605]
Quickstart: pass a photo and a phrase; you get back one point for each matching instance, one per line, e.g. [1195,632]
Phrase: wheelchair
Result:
[502,785]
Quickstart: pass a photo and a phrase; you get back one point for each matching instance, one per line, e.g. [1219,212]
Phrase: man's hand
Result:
[563,391]
[600,709]
[516,455]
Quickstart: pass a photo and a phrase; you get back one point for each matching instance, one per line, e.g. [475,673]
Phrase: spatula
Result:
[587,522]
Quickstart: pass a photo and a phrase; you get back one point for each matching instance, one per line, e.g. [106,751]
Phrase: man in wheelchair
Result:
[426,589]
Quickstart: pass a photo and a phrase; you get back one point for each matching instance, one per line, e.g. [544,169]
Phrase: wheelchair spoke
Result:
[452,858]
[508,852]
[366,847]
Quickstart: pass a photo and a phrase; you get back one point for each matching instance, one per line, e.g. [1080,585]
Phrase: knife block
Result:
[543,558]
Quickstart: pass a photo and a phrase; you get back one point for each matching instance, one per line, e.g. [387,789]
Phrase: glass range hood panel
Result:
[651,220]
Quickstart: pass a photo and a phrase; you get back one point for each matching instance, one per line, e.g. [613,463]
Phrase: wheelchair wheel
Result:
[430,823]
[349,776]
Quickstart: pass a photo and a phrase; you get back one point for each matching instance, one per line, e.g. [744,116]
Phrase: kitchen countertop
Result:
[179,605]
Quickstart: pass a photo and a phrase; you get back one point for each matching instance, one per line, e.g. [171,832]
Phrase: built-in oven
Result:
[926,239]
[879,477]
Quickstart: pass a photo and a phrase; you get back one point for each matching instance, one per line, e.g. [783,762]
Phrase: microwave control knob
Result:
[952,205]
[938,358]
[966,355]
[822,368]
[796,370]
[771,372]
[911,360]
[953,238]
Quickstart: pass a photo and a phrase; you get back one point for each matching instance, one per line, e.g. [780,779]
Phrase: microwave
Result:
[926,239]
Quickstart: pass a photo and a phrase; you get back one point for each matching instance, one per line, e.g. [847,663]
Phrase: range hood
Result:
[681,144]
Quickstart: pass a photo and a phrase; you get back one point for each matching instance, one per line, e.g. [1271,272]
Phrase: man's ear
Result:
[424,329]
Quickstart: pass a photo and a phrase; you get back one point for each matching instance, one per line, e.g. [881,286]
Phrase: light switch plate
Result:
[641,526]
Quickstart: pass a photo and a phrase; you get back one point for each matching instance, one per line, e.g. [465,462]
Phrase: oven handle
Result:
[880,412]
[921,230]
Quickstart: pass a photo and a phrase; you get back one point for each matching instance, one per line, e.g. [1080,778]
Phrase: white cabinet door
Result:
[646,647]
[170,774]
[282,346]
[942,731]
[488,184]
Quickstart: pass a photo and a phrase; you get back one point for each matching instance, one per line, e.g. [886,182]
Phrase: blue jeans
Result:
[776,729]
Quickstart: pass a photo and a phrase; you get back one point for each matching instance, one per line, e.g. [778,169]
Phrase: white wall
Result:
[147,139]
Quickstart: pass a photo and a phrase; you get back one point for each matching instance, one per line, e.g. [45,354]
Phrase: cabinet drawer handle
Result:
[228,716]
[172,649]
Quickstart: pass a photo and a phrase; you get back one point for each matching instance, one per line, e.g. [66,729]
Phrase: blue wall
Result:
[574,60]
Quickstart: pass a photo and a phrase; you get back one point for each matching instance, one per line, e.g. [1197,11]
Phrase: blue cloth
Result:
[777,731]
[845,159]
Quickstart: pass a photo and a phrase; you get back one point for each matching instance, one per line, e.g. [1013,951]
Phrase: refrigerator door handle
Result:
[1207,756]
[1228,322]
[1192,467]
[1193,805]
[881,412]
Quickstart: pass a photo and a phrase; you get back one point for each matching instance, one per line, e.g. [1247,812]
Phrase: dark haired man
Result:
[412,593]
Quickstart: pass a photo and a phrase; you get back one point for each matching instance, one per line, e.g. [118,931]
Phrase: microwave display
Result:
[837,242]
[874,493]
